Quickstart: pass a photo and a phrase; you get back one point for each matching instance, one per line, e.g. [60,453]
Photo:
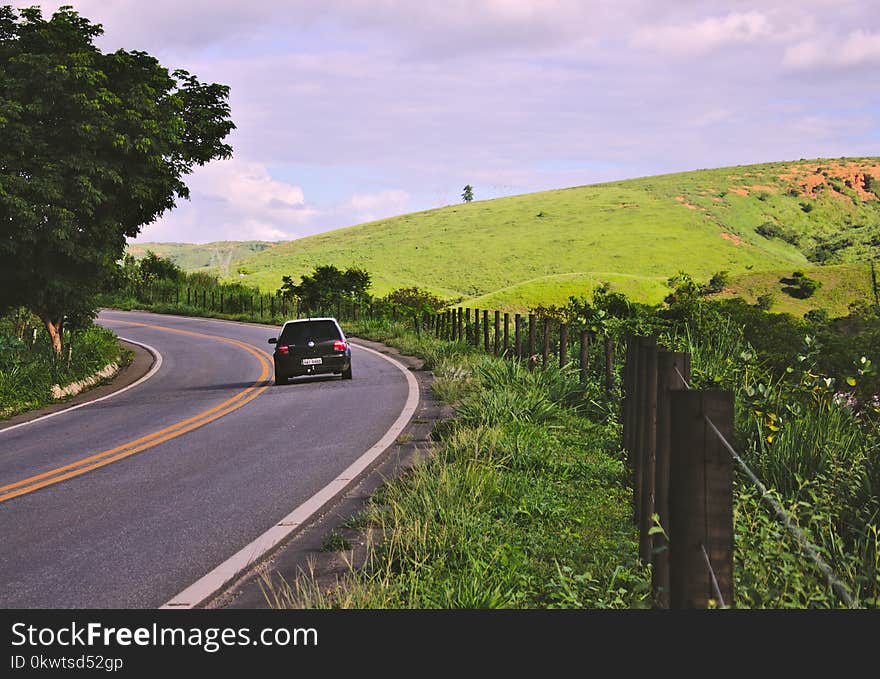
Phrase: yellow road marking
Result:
[87,464]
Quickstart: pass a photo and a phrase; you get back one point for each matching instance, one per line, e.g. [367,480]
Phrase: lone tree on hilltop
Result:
[94,146]
[468,194]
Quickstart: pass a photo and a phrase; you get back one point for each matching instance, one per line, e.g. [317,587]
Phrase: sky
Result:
[353,110]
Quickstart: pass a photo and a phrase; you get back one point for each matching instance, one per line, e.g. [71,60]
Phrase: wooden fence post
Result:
[626,395]
[476,327]
[506,334]
[517,335]
[533,358]
[700,498]
[221,301]
[585,355]
[609,365]
[563,344]
[668,362]
[497,332]
[648,451]
[646,344]
[187,296]
[486,330]
[545,351]
[468,327]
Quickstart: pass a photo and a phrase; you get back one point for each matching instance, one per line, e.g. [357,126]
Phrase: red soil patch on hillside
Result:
[736,240]
[740,192]
[681,200]
[853,175]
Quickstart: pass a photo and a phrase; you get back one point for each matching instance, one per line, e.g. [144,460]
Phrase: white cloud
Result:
[377,107]
[234,200]
[856,49]
[370,206]
[706,34]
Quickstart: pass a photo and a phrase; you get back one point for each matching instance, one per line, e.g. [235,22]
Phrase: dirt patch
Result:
[689,206]
[853,175]
[740,191]
[625,205]
[733,238]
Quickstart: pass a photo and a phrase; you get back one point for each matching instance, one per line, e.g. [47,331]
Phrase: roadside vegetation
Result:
[29,367]
[523,503]
[525,500]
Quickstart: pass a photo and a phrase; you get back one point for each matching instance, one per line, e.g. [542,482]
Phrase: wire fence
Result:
[679,452]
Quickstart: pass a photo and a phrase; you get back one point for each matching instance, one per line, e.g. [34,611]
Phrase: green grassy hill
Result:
[759,222]
[222,257]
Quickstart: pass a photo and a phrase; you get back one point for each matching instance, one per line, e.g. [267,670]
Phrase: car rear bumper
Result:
[293,367]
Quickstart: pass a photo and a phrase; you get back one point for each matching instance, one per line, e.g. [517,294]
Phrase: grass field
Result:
[759,222]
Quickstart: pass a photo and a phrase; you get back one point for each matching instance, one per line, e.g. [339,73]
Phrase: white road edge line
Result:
[157,363]
[227,571]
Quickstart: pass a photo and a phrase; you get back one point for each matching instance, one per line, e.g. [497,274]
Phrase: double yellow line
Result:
[105,457]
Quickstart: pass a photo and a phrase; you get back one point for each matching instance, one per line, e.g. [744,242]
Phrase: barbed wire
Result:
[683,379]
[715,588]
[809,548]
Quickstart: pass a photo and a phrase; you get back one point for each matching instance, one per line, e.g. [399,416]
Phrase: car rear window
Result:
[303,331]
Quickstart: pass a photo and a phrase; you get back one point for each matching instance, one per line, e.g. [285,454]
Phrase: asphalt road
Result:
[124,503]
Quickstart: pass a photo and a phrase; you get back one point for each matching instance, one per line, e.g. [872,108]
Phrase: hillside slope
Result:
[220,258]
[542,247]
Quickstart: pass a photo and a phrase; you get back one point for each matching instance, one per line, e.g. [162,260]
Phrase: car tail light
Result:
[283,349]
[339,345]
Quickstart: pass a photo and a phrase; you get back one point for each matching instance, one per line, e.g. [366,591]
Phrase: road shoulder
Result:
[303,552]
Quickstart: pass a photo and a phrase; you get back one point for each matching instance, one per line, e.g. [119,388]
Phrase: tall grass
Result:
[523,504]
[814,453]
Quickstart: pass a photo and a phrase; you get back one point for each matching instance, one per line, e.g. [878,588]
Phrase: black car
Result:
[311,346]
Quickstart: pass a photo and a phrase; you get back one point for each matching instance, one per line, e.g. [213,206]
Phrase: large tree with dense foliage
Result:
[94,146]
[327,285]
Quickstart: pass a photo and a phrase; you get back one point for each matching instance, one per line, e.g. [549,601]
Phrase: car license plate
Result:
[311,361]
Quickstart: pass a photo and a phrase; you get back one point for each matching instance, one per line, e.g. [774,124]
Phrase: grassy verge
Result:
[523,504]
[29,368]
[817,452]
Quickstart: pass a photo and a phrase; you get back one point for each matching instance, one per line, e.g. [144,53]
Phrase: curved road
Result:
[126,502]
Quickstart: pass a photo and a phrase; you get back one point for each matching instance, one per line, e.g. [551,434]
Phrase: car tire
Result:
[346,374]
[280,379]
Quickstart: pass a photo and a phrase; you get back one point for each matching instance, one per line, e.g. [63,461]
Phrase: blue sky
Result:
[354,110]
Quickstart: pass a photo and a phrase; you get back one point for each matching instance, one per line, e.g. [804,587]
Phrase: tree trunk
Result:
[54,327]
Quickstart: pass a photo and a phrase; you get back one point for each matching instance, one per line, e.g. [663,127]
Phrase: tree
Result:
[327,285]
[155,268]
[94,147]
[415,299]
[765,302]
[800,285]
[468,194]
[717,283]
[685,290]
